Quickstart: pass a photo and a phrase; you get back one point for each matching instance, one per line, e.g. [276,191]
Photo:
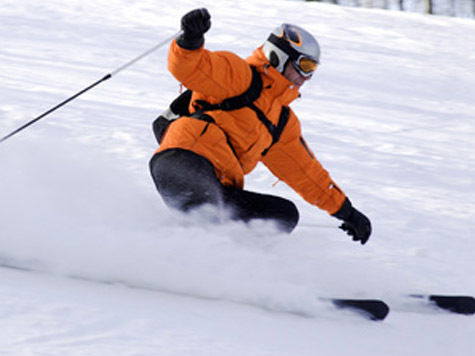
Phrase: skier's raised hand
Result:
[194,25]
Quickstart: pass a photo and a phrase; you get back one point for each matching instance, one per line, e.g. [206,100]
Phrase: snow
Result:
[390,113]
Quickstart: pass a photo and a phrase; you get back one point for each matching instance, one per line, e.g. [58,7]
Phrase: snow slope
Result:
[390,113]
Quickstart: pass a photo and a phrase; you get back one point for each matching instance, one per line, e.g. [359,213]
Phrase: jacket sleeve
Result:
[219,75]
[293,162]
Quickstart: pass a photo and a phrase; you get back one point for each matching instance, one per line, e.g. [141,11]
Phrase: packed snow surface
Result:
[104,268]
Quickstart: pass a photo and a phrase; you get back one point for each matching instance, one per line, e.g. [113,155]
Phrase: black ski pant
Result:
[186,181]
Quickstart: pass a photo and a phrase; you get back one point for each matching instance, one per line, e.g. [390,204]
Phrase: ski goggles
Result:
[305,66]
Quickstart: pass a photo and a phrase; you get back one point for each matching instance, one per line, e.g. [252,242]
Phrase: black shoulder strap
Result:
[276,131]
[239,101]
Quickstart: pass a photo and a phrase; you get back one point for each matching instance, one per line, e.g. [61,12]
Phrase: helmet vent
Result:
[293,36]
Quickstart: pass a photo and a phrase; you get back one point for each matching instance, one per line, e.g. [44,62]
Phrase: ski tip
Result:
[374,309]
[459,304]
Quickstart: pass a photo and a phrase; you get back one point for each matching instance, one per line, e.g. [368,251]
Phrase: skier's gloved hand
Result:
[355,223]
[194,25]
[178,107]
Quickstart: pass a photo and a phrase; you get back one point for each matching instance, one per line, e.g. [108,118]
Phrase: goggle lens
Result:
[306,65]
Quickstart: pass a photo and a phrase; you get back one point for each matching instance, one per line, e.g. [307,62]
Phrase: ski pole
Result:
[106,77]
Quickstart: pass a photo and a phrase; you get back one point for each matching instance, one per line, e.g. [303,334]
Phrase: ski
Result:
[459,304]
[373,309]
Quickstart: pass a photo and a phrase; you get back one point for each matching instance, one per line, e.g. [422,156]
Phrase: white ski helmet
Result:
[291,42]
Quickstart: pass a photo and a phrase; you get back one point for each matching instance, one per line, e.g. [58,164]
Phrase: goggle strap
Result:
[284,46]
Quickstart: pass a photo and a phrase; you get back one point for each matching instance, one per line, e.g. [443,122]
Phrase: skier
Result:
[234,114]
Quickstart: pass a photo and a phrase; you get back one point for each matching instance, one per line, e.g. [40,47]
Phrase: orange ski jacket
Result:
[235,142]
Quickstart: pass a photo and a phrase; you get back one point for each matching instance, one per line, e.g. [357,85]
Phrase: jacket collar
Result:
[289,91]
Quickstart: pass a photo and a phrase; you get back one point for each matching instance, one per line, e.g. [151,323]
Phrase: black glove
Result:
[355,223]
[178,107]
[194,25]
